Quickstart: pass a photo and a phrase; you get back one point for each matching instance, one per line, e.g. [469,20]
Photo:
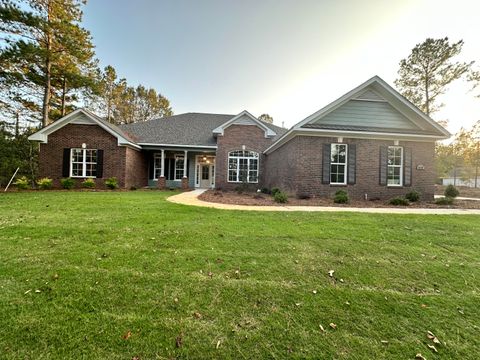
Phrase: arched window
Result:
[243,166]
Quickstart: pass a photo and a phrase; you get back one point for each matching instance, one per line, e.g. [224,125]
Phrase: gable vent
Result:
[370,95]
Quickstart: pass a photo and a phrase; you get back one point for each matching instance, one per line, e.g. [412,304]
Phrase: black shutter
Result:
[407,167]
[99,164]
[167,169]
[188,167]
[352,163]
[327,148]
[383,165]
[66,163]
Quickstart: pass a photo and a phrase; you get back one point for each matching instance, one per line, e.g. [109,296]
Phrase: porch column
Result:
[162,183]
[185,164]
[162,171]
[185,178]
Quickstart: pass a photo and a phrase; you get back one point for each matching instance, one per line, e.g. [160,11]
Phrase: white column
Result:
[185,164]
[162,171]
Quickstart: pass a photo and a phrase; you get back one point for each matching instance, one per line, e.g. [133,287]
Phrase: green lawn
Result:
[126,274]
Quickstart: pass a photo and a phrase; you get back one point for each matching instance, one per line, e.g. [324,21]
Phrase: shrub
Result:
[111,183]
[88,183]
[22,183]
[265,190]
[133,188]
[399,201]
[280,197]
[413,196]
[275,190]
[444,201]
[67,183]
[303,196]
[341,197]
[45,183]
[451,192]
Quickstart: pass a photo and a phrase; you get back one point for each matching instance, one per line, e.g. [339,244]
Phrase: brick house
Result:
[372,142]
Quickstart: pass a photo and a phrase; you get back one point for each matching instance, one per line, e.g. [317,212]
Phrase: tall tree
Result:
[267,118]
[428,70]
[45,45]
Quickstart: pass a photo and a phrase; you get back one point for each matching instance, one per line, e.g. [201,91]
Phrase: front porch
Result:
[181,168]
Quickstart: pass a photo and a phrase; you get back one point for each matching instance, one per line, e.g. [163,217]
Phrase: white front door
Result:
[205,171]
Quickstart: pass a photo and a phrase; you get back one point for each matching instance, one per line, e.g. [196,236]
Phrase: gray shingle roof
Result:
[183,129]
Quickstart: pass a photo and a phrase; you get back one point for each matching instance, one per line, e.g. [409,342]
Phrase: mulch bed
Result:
[256,199]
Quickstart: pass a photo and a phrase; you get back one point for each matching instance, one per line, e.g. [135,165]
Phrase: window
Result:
[179,160]
[395,166]
[83,163]
[157,166]
[243,166]
[338,164]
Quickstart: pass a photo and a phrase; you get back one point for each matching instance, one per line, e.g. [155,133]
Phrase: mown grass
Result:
[126,274]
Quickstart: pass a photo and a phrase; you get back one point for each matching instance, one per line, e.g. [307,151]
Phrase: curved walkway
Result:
[191,198]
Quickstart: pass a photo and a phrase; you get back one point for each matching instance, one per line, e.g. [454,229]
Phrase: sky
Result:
[285,58]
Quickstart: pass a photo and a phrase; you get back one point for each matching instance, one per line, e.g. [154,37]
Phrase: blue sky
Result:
[286,58]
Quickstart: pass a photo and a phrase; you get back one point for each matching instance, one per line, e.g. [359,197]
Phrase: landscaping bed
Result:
[260,199]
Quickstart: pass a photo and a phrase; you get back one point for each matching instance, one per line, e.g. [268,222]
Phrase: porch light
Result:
[204,158]
[84,146]
[208,161]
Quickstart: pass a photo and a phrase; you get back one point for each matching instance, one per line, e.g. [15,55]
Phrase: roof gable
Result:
[374,104]
[245,118]
[82,117]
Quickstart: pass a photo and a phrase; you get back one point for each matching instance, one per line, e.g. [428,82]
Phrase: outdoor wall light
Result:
[84,146]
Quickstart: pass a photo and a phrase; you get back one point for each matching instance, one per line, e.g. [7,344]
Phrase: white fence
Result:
[461,182]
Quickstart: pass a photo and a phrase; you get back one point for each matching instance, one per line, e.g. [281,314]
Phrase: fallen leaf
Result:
[314,291]
[424,306]
[218,344]
[333,326]
[432,348]
[430,335]
[55,277]
[135,358]
[436,341]
[419,357]
[321,328]
[341,280]
[197,315]
[175,300]
[384,341]
[178,341]
[210,274]
[26,292]
[330,273]
[38,291]
[347,303]
[298,304]
[127,335]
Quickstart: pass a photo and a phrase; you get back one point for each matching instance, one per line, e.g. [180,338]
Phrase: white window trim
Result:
[84,164]
[178,156]
[155,168]
[334,163]
[238,167]
[396,166]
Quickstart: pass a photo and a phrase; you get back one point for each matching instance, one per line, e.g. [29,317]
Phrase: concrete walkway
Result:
[191,198]
[458,198]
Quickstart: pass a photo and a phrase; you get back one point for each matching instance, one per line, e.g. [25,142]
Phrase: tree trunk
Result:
[46,94]
[427,99]
[17,125]
[64,95]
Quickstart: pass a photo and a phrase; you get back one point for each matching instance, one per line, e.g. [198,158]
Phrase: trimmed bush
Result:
[280,197]
[22,183]
[88,183]
[341,197]
[111,183]
[399,201]
[413,196]
[444,201]
[45,183]
[451,192]
[265,191]
[67,183]
[275,190]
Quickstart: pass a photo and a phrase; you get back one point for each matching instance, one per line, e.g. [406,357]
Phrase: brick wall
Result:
[234,138]
[136,169]
[297,167]
[72,136]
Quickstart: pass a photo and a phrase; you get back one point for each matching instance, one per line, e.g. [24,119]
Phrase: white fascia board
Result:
[180,146]
[268,132]
[352,93]
[351,134]
[42,135]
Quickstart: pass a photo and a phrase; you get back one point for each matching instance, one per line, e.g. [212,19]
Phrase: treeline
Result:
[460,159]
[48,68]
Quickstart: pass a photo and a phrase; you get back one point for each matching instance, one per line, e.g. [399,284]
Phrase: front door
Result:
[205,176]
